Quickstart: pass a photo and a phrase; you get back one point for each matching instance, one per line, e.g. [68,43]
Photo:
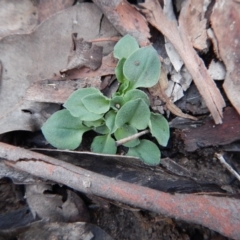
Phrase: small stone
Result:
[150,230]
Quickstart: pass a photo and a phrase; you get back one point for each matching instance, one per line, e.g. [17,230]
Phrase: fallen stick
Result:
[217,213]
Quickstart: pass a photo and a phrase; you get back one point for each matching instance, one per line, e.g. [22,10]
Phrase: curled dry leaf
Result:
[174,91]
[159,90]
[108,66]
[43,205]
[225,20]
[47,204]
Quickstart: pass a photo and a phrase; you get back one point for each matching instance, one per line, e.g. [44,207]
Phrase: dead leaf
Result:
[217,70]
[173,55]
[58,230]
[178,36]
[40,55]
[47,8]
[19,17]
[179,82]
[159,90]
[186,79]
[84,54]
[126,19]
[193,102]
[171,51]
[108,66]
[74,209]
[225,21]
[196,24]
[174,91]
[46,204]
[58,91]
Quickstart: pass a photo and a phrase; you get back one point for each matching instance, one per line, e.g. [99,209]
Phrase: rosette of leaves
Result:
[124,114]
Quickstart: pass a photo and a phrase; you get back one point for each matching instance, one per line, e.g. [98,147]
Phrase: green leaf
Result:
[102,129]
[104,144]
[147,151]
[96,103]
[96,123]
[116,102]
[135,94]
[126,131]
[124,87]
[110,121]
[135,113]
[64,131]
[125,47]
[75,105]
[159,128]
[119,70]
[142,68]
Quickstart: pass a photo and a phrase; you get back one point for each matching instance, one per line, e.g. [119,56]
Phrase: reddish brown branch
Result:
[219,214]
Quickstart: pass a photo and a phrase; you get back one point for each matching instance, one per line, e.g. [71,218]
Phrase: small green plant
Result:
[124,114]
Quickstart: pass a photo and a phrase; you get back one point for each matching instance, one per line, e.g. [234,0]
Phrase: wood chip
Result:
[210,134]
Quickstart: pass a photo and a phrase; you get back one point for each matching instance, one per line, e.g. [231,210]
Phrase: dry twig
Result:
[209,211]
[134,136]
[227,166]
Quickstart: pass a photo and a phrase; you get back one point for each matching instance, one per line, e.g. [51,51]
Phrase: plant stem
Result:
[134,136]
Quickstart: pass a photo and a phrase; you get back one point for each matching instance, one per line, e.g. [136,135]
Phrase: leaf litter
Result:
[32,84]
[34,60]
